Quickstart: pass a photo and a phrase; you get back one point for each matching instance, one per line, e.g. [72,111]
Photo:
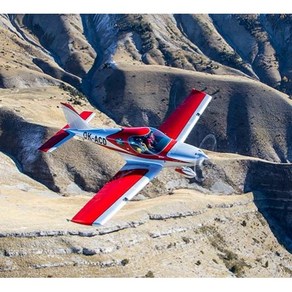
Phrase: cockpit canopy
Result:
[151,143]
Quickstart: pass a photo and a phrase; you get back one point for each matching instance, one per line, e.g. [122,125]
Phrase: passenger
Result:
[141,146]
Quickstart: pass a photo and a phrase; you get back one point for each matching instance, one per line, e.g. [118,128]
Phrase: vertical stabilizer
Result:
[75,121]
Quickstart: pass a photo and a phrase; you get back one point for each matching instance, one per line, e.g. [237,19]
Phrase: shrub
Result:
[149,274]
[124,262]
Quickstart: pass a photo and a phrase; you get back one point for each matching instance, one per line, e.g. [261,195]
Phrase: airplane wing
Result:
[114,195]
[180,123]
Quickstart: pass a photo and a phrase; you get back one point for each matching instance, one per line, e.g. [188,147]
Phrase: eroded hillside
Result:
[135,70]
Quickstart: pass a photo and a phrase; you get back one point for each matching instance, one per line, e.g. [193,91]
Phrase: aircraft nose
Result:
[200,155]
[205,155]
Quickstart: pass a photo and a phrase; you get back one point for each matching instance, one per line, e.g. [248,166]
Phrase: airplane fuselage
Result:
[143,144]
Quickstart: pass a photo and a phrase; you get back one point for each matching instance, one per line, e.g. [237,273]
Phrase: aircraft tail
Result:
[74,120]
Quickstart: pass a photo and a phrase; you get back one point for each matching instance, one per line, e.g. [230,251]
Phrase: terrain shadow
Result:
[238,128]
[20,140]
[271,185]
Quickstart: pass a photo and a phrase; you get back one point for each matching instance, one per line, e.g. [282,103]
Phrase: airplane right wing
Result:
[180,123]
[116,193]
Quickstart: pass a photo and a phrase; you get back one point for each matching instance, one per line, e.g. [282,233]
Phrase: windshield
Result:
[152,143]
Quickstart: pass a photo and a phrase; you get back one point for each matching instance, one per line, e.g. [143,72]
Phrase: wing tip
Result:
[82,222]
[46,149]
[43,149]
[195,91]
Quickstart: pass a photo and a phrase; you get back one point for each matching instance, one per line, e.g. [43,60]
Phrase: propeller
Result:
[208,143]
[196,172]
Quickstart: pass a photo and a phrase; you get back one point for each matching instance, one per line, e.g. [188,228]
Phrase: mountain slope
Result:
[134,70]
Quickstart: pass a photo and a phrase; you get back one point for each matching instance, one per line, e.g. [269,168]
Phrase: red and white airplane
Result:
[146,151]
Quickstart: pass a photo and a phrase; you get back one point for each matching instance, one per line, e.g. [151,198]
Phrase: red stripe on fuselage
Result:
[145,156]
[125,148]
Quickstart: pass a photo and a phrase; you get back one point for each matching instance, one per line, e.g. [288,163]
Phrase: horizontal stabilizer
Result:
[62,135]
[57,140]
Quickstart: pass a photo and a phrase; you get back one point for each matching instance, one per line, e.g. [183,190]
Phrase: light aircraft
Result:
[146,151]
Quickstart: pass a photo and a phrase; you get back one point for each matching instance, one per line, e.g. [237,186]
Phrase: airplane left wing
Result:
[114,195]
[180,123]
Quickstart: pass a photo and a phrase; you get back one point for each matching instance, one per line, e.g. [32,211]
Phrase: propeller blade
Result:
[199,177]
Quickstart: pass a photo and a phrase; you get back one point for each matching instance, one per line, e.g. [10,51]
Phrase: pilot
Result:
[150,141]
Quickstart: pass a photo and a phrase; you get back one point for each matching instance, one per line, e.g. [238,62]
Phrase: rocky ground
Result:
[135,70]
[186,234]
